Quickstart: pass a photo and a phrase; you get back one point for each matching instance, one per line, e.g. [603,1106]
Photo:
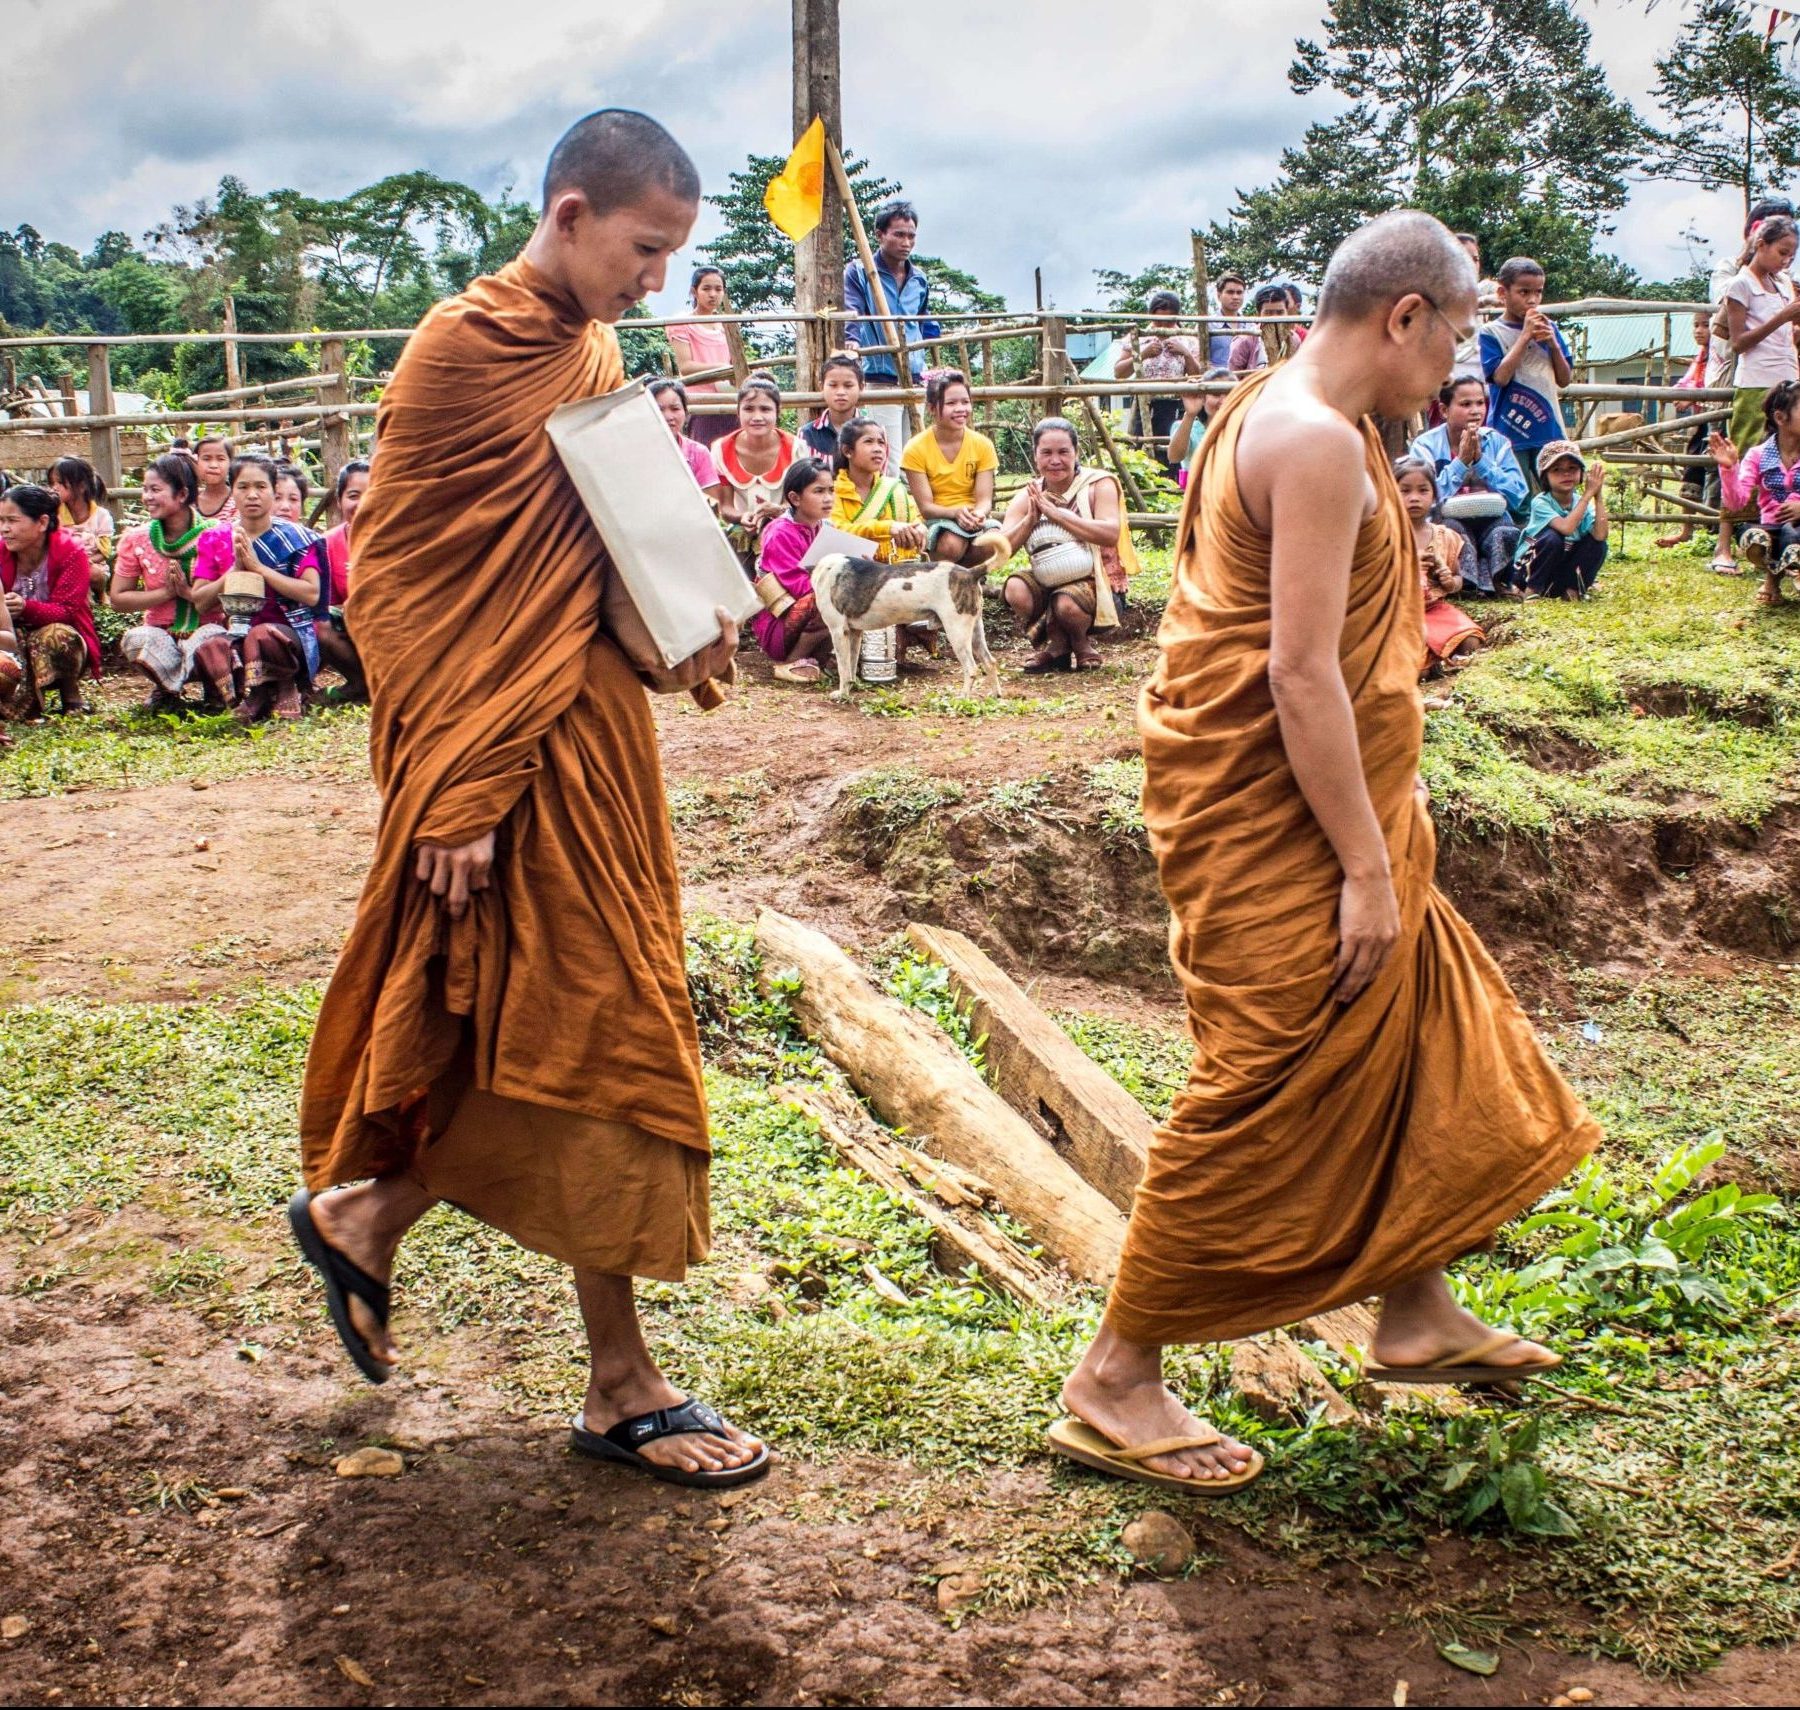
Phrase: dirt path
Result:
[498,1569]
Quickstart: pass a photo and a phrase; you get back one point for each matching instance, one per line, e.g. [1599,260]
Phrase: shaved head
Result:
[615,157]
[1392,256]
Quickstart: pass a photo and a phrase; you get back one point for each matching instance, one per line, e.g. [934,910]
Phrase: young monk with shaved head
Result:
[1367,1100]
[508,1028]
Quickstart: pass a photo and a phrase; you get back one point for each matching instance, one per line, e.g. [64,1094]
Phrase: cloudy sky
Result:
[1070,137]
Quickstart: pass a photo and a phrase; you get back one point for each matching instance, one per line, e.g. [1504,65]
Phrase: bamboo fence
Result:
[37,425]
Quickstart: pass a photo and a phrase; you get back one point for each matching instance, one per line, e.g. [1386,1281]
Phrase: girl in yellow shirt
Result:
[950,468]
[870,502]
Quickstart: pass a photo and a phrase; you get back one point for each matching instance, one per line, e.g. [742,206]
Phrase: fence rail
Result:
[1012,358]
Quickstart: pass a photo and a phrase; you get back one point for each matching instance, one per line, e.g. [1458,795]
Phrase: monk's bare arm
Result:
[1316,488]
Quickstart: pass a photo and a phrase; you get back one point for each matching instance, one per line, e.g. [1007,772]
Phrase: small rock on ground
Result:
[1159,1542]
[371,1463]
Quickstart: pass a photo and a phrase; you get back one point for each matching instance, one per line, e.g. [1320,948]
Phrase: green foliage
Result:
[1618,1256]
[1733,106]
[1497,1469]
[1131,292]
[922,984]
[1493,118]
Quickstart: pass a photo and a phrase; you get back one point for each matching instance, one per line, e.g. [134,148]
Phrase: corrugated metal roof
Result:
[1623,338]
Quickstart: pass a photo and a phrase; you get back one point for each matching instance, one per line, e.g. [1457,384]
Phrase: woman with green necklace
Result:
[153,575]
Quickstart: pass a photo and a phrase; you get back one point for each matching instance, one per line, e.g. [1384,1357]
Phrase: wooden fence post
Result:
[103,443]
[334,431]
[1056,360]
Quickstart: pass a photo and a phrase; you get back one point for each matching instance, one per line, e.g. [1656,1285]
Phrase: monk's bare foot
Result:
[645,1390]
[1118,1389]
[1421,1323]
[358,1223]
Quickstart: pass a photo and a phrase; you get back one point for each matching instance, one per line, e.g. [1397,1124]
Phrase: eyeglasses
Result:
[1461,338]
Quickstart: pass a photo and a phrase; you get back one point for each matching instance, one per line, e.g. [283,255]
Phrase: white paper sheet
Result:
[663,538]
[836,540]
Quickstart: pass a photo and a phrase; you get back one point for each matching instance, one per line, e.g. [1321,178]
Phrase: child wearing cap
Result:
[1563,543]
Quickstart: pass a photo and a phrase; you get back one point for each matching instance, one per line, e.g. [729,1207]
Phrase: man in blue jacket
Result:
[1480,484]
[907,290]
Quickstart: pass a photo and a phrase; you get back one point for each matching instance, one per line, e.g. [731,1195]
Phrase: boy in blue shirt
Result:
[1526,362]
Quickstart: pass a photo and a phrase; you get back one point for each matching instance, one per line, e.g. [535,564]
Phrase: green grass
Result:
[123,748]
[1681,1500]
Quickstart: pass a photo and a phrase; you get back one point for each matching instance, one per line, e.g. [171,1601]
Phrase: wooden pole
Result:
[1200,280]
[334,430]
[1056,360]
[819,256]
[234,375]
[66,385]
[896,334]
[103,443]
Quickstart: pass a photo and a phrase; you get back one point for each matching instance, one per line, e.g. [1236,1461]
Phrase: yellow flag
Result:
[795,198]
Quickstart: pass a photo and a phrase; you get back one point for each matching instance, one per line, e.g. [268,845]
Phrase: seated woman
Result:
[153,578]
[753,462]
[48,594]
[703,346]
[291,488]
[278,643]
[789,628]
[1480,484]
[332,557]
[950,468]
[672,399]
[85,519]
[1072,526]
[12,667]
[1444,554]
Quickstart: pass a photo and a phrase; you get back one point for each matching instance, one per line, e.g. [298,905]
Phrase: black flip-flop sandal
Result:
[622,1442]
[342,1278]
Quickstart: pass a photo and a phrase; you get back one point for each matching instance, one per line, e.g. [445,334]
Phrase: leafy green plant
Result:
[1623,1256]
[925,986]
[1498,1469]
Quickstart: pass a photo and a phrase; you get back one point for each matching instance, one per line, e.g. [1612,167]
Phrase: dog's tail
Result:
[987,552]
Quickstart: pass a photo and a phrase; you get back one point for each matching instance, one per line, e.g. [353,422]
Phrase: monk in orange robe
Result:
[1367,1100]
[509,1027]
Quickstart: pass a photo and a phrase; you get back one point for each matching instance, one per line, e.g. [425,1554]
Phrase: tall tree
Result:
[1733,108]
[1131,292]
[1489,114]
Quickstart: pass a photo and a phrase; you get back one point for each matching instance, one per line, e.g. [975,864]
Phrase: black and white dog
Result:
[857,594]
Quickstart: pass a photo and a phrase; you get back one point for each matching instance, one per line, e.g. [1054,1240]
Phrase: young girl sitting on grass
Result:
[85,519]
[1451,638]
[1563,543]
[1770,474]
[950,468]
[789,628]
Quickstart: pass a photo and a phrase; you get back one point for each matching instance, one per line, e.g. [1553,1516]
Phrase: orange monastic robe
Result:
[537,1061]
[1319,1153]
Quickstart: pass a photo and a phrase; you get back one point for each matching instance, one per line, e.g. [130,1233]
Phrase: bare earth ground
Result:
[173,1531]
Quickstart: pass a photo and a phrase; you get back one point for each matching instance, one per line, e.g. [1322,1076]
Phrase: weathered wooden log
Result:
[917,1080]
[961,1236]
[1083,1112]
[1282,1385]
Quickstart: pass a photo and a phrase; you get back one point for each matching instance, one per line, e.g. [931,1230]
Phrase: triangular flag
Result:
[795,198]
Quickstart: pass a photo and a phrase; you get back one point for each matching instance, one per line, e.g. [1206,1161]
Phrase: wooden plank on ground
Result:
[961,1235]
[1040,1071]
[918,1081]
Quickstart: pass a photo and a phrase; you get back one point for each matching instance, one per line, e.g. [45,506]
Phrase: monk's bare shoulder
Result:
[1292,434]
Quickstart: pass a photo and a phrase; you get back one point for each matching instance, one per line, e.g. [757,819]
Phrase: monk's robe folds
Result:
[1319,1153]
[499,703]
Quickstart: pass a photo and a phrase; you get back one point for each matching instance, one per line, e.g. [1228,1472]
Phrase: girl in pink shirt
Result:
[700,345]
[790,629]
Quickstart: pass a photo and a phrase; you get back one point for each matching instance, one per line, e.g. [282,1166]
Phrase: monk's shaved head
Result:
[1395,254]
[614,157]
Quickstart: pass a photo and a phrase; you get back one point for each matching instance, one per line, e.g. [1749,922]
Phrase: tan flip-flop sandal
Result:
[1469,1365]
[1079,1441]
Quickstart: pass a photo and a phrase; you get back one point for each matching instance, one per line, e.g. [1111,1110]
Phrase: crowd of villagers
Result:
[223,586]
[231,592]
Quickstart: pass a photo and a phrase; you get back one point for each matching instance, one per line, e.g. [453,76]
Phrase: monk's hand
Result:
[1368,929]
[454,874]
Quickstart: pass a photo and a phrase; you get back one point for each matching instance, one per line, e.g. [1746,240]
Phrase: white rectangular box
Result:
[661,534]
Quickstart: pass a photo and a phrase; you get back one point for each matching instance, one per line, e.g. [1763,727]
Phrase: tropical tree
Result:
[1490,115]
[1733,108]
